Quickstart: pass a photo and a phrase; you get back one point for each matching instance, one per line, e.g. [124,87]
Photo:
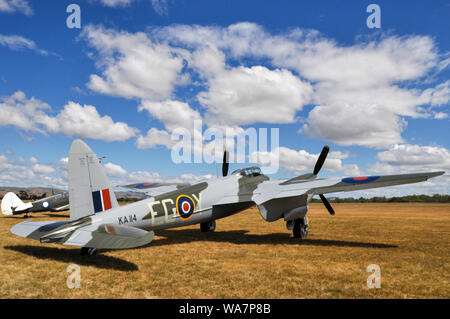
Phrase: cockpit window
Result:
[248,171]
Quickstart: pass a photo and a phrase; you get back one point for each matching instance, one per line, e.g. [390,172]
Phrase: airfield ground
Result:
[249,258]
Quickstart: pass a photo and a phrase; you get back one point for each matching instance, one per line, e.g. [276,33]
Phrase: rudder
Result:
[89,189]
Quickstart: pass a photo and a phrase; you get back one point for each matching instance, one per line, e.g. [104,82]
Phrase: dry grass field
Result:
[249,258]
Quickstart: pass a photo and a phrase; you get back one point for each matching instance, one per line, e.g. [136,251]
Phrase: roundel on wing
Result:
[360,179]
[185,206]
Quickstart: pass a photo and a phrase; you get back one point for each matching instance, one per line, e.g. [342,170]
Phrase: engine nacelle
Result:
[295,213]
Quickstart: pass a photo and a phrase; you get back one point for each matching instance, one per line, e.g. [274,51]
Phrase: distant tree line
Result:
[436,198]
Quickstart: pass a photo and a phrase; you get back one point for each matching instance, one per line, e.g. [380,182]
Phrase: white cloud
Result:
[160,6]
[11,6]
[43,169]
[242,95]
[174,114]
[21,112]
[73,120]
[114,170]
[407,158]
[301,160]
[133,66]
[115,3]
[86,122]
[33,160]
[363,92]
[155,137]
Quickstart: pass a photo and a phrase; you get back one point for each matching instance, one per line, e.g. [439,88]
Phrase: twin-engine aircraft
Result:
[98,222]
[13,205]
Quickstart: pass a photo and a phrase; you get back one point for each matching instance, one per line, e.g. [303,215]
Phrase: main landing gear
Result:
[87,251]
[208,227]
[299,227]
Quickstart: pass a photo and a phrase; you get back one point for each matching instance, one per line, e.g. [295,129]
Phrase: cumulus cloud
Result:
[301,160]
[174,114]
[114,170]
[408,158]
[19,111]
[363,93]
[242,95]
[86,122]
[133,66]
[12,6]
[42,169]
[153,138]
[74,120]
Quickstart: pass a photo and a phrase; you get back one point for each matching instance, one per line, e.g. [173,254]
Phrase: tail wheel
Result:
[208,227]
[87,251]
[300,229]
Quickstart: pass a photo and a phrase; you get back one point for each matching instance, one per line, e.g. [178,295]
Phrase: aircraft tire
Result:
[87,251]
[208,227]
[300,229]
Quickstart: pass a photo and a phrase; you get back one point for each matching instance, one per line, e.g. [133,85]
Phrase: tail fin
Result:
[11,204]
[89,189]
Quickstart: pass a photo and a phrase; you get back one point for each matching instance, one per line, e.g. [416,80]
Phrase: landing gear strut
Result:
[208,226]
[300,229]
[87,251]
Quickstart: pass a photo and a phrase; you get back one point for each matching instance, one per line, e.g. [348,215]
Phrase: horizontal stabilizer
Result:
[109,236]
[35,230]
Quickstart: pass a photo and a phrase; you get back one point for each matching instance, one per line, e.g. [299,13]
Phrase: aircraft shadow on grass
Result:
[74,256]
[241,237]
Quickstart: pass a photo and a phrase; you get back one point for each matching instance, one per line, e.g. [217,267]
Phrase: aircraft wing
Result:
[357,183]
[153,189]
[61,208]
[81,233]
[274,199]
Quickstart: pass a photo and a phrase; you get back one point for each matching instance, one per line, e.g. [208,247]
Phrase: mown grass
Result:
[249,258]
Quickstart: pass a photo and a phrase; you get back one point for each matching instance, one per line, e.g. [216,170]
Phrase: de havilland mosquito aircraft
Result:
[98,222]
[13,205]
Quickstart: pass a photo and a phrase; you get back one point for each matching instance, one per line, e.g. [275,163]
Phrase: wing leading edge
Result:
[367,182]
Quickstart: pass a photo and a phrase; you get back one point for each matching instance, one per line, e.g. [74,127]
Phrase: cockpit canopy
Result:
[247,171]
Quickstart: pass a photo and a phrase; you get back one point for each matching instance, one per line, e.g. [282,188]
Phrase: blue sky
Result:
[139,69]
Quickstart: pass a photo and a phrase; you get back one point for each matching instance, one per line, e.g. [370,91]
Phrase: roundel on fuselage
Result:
[185,206]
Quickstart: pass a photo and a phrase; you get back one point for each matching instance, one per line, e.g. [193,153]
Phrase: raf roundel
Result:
[185,206]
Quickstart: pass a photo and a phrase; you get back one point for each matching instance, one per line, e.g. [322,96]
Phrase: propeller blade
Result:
[327,204]
[321,159]
[225,163]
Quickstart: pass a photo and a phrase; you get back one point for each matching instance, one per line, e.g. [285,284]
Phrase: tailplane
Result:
[89,189]
[11,204]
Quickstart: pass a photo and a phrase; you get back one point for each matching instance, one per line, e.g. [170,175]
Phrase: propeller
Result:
[321,159]
[317,167]
[225,163]
[327,204]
